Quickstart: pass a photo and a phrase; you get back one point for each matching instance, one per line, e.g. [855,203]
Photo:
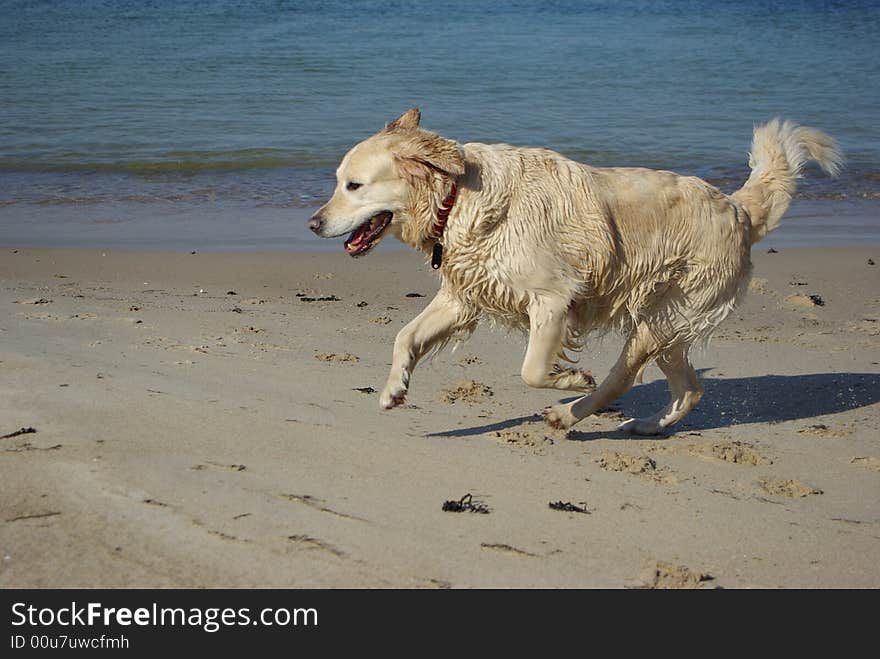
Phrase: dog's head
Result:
[390,181]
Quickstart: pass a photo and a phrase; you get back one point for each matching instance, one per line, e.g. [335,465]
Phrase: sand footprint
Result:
[336,358]
[869,462]
[789,487]
[734,452]
[469,391]
[664,576]
[637,465]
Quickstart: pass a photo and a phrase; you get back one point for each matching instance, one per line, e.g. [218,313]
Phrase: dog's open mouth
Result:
[367,235]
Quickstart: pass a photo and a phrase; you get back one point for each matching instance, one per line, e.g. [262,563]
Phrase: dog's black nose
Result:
[315,223]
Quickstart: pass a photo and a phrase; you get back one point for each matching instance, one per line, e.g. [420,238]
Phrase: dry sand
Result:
[213,420]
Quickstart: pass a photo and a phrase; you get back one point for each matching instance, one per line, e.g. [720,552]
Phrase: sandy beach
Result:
[212,420]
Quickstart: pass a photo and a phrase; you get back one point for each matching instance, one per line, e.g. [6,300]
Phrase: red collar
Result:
[443,213]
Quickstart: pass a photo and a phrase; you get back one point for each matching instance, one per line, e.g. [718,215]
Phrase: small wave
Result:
[174,162]
[149,199]
[108,220]
[60,201]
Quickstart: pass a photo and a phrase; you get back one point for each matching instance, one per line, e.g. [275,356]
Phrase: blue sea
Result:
[218,124]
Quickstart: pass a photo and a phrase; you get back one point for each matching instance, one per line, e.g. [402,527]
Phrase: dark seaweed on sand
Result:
[465,504]
[22,431]
[567,506]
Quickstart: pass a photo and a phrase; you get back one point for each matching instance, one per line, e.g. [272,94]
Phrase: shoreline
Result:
[208,420]
[249,227]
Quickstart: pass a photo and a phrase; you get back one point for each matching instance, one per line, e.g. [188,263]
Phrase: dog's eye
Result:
[352,185]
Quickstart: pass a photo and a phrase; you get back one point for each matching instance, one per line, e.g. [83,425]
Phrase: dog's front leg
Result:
[439,320]
[548,318]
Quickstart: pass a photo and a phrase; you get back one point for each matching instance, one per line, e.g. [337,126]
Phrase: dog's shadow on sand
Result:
[730,402]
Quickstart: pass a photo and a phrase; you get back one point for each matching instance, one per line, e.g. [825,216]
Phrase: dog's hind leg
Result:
[640,347]
[685,392]
[435,325]
[548,323]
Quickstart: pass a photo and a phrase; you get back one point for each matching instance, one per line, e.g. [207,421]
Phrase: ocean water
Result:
[219,123]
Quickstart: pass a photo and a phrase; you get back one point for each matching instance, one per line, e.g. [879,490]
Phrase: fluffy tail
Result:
[780,149]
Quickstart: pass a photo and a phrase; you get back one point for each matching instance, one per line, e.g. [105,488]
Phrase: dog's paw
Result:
[559,417]
[641,427]
[392,397]
[574,379]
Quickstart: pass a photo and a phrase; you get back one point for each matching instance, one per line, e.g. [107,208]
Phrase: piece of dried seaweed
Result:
[465,504]
[21,431]
[567,506]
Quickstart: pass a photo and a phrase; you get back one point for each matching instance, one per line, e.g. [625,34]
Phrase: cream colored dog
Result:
[542,243]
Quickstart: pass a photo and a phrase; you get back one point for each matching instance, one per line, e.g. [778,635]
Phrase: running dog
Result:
[561,249]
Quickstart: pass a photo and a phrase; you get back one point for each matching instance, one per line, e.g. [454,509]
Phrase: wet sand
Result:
[212,420]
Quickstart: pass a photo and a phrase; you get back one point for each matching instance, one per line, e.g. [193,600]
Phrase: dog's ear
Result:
[424,153]
[409,120]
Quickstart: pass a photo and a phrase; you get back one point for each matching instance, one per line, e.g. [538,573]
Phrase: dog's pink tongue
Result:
[355,241]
